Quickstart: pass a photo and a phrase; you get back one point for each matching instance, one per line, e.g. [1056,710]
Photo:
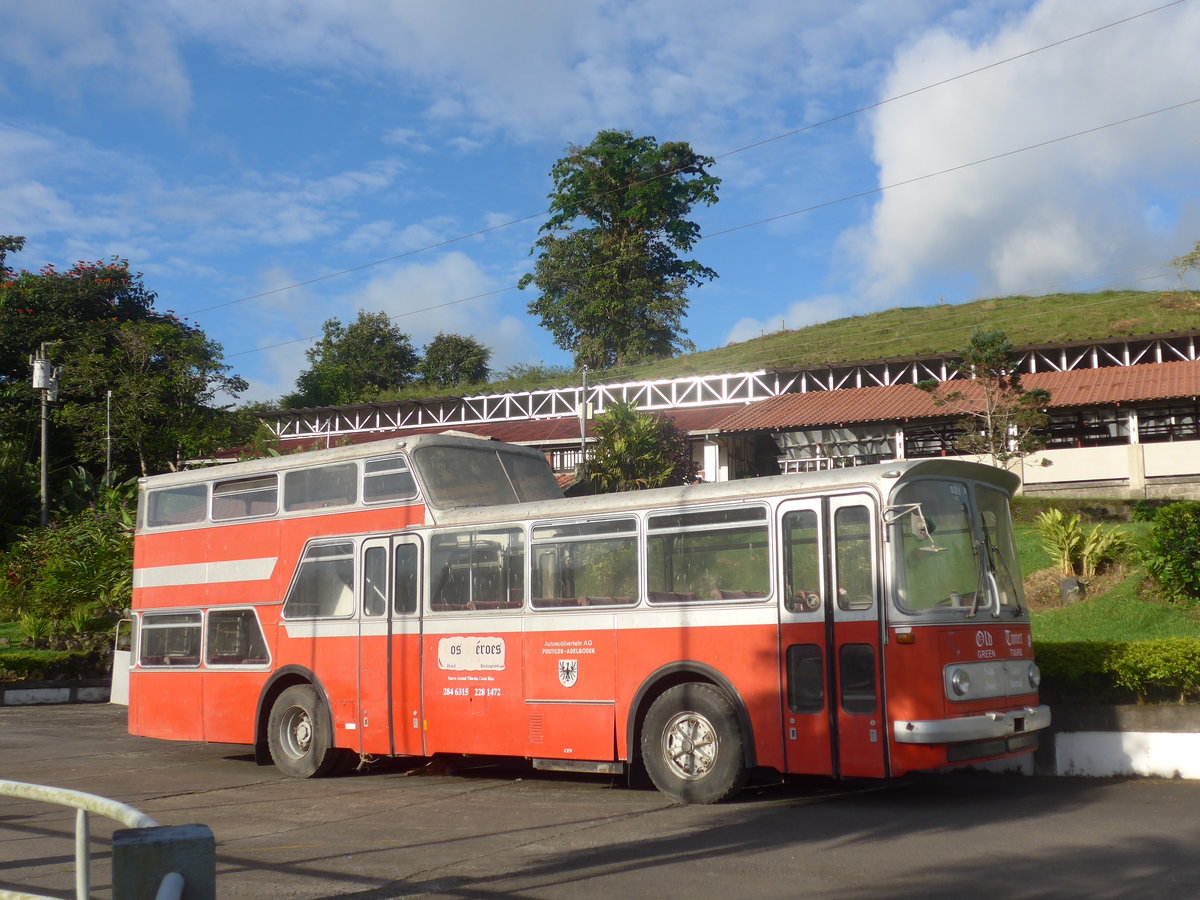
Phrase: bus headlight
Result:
[1035,676]
[960,681]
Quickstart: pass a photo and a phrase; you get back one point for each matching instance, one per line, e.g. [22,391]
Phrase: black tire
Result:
[298,734]
[692,745]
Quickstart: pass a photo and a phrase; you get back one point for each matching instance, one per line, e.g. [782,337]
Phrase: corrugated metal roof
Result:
[1081,387]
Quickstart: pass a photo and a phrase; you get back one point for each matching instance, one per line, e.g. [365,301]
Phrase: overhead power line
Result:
[827,203]
[778,137]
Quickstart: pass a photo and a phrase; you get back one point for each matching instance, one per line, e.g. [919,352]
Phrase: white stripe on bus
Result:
[205,573]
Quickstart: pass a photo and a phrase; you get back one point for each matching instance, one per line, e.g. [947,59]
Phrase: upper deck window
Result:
[483,476]
[177,506]
[244,498]
[320,488]
[387,479]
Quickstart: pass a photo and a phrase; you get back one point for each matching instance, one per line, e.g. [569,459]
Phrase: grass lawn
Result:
[10,630]
[1119,611]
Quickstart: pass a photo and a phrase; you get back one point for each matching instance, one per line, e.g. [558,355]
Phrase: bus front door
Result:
[854,652]
[829,638]
[389,685]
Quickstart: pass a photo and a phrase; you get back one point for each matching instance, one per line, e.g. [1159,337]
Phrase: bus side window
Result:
[177,506]
[801,561]
[234,639]
[404,596]
[478,570]
[375,581]
[170,639]
[855,574]
[244,498]
[708,555]
[324,584]
[585,564]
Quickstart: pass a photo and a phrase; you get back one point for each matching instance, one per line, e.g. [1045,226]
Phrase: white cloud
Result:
[68,47]
[534,68]
[443,295]
[800,314]
[1065,211]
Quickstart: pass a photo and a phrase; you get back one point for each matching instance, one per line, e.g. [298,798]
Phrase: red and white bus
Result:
[438,595]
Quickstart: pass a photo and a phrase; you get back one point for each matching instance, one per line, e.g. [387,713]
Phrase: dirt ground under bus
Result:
[496,830]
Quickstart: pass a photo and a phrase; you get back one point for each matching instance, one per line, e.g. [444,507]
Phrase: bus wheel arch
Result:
[318,711]
[682,701]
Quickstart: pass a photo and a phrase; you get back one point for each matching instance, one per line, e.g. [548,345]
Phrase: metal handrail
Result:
[84,804]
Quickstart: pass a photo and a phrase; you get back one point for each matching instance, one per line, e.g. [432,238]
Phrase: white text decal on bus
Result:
[471,654]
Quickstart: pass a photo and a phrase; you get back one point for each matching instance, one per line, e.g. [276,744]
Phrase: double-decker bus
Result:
[438,595]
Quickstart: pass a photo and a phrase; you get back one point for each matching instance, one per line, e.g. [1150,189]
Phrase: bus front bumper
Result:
[973,728]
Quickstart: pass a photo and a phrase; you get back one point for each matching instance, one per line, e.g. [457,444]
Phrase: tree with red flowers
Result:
[99,322]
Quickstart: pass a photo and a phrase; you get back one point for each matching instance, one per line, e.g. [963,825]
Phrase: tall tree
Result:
[451,359]
[635,450]
[612,281]
[354,363]
[1001,418]
[165,380]
[98,320]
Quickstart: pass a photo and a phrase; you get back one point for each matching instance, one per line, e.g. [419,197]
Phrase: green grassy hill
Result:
[909,331]
[906,331]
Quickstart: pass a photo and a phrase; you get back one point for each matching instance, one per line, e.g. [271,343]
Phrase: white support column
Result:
[716,461]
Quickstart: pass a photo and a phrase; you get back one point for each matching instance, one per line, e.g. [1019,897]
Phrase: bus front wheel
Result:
[692,745]
[298,734]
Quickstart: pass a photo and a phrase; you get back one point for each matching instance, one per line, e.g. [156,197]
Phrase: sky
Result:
[271,165]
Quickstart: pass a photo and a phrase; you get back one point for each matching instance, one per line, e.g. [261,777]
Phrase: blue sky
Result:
[229,149]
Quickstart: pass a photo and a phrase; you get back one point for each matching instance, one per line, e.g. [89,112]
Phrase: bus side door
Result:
[803,648]
[389,680]
[855,645]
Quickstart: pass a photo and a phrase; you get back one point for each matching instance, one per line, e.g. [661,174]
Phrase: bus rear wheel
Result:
[298,734]
[692,745]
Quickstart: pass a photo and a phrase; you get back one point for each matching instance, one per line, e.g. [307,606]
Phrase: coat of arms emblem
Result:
[568,671]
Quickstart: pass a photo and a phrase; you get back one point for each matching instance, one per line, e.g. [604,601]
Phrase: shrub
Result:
[1119,671]
[1062,538]
[1102,546]
[1158,668]
[31,665]
[1172,552]
[1077,552]
[83,561]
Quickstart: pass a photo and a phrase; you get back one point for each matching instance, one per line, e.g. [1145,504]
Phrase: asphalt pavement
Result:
[479,828]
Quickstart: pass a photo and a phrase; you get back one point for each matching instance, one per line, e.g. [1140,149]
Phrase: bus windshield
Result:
[952,555]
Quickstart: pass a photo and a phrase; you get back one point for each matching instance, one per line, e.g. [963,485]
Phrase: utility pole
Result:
[45,380]
[108,440]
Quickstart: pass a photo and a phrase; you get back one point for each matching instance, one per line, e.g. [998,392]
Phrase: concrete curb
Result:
[38,693]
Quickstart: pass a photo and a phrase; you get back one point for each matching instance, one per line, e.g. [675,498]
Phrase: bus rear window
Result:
[177,506]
